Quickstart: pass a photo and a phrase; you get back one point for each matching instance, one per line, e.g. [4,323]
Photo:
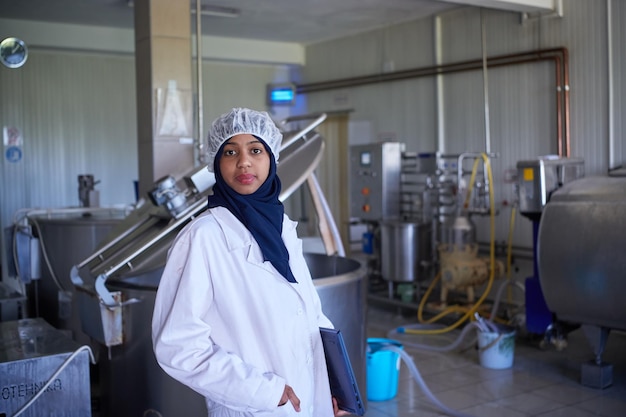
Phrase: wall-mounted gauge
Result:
[13,52]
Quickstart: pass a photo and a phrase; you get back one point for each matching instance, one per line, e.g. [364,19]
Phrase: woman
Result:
[236,315]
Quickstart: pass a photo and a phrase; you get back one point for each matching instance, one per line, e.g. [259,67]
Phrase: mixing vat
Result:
[66,239]
[131,382]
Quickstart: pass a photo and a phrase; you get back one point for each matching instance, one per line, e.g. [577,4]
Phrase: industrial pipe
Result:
[200,108]
[558,55]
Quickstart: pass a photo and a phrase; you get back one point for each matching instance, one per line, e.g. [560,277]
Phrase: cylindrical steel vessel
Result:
[457,233]
[404,247]
[132,382]
[67,239]
[580,246]
[342,287]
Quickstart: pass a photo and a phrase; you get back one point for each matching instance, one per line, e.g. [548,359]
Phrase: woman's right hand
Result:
[337,411]
[289,395]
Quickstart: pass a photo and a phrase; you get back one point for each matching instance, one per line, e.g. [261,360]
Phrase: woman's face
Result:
[244,163]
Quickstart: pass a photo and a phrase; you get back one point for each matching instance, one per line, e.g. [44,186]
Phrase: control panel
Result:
[538,178]
[375,174]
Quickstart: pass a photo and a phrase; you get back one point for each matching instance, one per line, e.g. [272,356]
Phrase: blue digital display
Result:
[281,94]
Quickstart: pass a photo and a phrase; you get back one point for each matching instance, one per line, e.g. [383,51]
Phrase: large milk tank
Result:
[580,246]
[580,251]
[132,382]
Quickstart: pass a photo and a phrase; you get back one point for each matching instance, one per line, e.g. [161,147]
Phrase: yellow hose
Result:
[447,311]
[492,258]
[425,297]
[509,255]
[471,184]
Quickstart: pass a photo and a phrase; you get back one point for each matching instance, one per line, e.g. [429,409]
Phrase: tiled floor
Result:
[541,382]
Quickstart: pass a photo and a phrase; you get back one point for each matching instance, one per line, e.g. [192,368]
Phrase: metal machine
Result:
[537,180]
[580,245]
[375,175]
[116,285]
[61,237]
[415,221]
[394,215]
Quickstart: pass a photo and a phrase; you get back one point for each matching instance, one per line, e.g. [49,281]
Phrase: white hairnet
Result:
[243,121]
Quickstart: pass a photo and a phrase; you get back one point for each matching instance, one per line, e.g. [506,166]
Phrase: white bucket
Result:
[496,350]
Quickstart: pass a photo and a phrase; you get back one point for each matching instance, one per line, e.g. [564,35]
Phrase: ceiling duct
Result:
[216,11]
[207,10]
[522,6]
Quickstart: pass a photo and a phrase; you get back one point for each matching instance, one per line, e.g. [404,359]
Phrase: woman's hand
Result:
[289,395]
[337,411]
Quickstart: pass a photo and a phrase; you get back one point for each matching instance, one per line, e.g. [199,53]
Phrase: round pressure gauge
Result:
[13,52]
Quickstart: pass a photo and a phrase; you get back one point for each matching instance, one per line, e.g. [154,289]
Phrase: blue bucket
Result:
[383,369]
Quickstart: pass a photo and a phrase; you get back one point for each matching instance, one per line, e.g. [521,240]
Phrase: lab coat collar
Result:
[237,236]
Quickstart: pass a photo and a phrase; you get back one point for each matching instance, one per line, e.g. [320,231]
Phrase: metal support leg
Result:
[595,373]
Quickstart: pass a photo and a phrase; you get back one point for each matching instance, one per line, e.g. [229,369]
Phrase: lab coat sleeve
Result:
[182,336]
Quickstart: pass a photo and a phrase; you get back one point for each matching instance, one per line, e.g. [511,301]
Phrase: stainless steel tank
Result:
[580,246]
[342,287]
[458,233]
[65,240]
[131,381]
[404,249]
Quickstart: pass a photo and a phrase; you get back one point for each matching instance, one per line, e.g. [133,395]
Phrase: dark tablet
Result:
[343,385]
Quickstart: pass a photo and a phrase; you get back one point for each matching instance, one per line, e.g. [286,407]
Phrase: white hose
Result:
[44,252]
[416,375]
[505,284]
[454,345]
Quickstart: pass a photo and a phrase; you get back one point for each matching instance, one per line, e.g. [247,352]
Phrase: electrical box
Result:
[31,351]
[538,178]
[283,94]
[375,174]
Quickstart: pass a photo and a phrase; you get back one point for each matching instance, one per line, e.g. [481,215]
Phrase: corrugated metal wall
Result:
[618,85]
[77,115]
[521,98]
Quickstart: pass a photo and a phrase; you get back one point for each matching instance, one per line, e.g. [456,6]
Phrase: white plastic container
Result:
[496,350]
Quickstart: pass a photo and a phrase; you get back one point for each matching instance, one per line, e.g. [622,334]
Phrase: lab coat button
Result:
[300,311]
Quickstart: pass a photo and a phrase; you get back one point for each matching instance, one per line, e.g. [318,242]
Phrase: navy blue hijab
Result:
[261,212]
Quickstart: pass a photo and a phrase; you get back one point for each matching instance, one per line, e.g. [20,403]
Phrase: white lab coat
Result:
[229,326]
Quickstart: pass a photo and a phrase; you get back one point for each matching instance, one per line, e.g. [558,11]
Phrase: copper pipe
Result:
[559,100]
[566,151]
[558,55]
[559,95]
